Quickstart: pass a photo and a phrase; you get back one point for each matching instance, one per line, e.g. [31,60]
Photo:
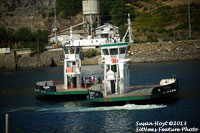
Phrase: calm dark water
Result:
[29,114]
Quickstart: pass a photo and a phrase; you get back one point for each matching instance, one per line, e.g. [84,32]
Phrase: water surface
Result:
[27,113]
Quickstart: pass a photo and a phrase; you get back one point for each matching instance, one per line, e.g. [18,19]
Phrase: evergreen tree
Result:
[3,37]
[68,8]
[119,12]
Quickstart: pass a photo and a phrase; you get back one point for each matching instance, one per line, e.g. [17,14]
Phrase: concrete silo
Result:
[90,15]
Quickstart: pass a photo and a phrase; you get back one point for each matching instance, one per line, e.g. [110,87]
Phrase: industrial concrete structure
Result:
[90,16]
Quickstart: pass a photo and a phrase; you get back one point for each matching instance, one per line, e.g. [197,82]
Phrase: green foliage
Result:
[120,11]
[41,37]
[161,30]
[163,8]
[43,14]
[116,11]
[182,26]
[31,45]
[68,8]
[90,53]
[122,30]
[151,29]
[106,5]
[23,34]
[166,39]
[171,34]
[51,13]
[146,1]
[137,4]
[3,34]
[145,8]
[139,41]
[25,37]
[164,17]
[152,38]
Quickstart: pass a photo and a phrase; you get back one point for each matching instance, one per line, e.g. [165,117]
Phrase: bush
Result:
[23,34]
[90,53]
[3,34]
[24,37]
[145,8]
[68,8]
[43,15]
[119,13]
[146,0]
[152,38]
[161,30]
[51,14]
[31,45]
[139,41]
[151,29]
[144,29]
[182,26]
[166,39]
[122,30]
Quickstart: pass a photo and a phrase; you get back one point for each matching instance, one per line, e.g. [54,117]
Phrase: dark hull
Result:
[56,90]
[156,94]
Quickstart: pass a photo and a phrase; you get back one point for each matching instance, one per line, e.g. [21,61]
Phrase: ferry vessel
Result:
[116,88]
[72,84]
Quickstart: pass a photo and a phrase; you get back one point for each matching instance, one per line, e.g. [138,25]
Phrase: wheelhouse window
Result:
[69,64]
[107,68]
[122,50]
[114,68]
[105,52]
[73,63]
[66,50]
[77,50]
[114,51]
[71,51]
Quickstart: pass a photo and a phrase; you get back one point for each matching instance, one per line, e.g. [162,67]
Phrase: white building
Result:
[107,31]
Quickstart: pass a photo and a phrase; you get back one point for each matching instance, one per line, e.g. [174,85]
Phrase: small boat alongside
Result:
[115,87]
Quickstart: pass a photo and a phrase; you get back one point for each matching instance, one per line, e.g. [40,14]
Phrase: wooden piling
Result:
[6,124]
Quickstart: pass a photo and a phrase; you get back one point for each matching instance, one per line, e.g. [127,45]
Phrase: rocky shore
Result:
[146,52]
[165,51]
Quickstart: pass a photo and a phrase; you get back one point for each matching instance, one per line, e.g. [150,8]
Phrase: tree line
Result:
[23,38]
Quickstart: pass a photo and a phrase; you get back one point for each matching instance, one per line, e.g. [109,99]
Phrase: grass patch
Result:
[91,53]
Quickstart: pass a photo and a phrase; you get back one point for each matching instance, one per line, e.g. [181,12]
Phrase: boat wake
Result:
[74,108]
[91,109]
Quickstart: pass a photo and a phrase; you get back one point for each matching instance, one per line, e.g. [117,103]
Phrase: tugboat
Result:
[115,87]
[72,85]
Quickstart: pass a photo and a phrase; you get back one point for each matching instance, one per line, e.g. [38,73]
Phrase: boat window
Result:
[69,64]
[74,63]
[114,51]
[105,52]
[114,68]
[77,50]
[107,68]
[66,50]
[71,51]
[122,50]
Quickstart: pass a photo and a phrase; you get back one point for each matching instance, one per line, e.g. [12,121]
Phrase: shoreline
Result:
[130,62]
[188,50]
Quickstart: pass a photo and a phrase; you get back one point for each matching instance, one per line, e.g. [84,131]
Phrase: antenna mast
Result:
[130,29]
